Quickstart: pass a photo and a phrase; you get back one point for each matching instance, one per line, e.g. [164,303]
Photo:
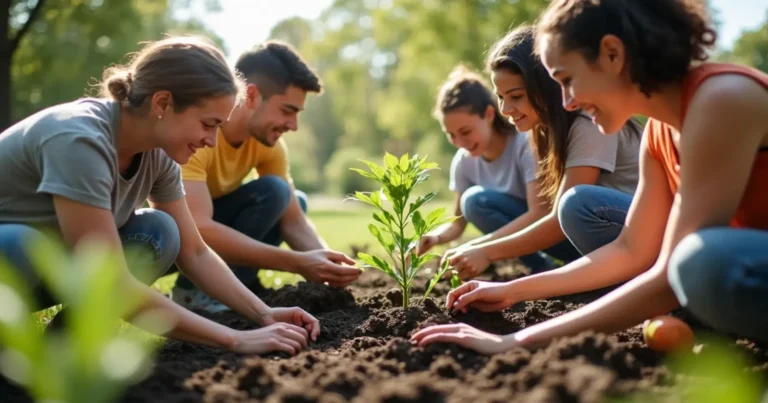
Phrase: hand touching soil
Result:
[283,337]
[481,295]
[465,336]
[295,316]
[321,266]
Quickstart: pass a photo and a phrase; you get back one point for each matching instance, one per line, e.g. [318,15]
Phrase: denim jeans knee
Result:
[155,233]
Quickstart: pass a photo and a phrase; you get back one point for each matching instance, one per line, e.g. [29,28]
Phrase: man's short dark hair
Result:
[275,65]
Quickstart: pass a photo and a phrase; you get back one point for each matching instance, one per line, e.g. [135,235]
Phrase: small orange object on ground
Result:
[667,334]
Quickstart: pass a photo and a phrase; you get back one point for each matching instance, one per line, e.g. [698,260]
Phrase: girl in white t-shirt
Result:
[493,173]
[588,177]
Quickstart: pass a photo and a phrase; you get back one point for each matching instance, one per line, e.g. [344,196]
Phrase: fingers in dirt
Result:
[297,346]
[451,328]
[313,329]
[454,295]
[452,338]
[489,306]
[310,323]
[295,328]
[279,345]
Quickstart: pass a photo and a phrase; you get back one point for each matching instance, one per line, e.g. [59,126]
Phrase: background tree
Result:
[65,48]
[751,48]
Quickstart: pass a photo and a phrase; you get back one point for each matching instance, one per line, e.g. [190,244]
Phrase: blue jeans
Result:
[254,209]
[150,231]
[489,210]
[592,216]
[721,276]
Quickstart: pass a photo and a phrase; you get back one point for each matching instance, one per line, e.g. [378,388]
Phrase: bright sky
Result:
[243,23]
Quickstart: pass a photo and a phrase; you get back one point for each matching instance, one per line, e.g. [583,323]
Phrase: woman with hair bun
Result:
[83,169]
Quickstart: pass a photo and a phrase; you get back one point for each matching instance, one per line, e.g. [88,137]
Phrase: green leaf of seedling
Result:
[388,193]
[396,181]
[377,170]
[414,265]
[390,247]
[376,199]
[366,258]
[390,161]
[377,262]
[440,273]
[404,162]
[376,232]
[389,216]
[366,174]
[435,215]
[383,219]
[417,262]
[441,222]
[428,197]
[361,197]
[418,223]
[455,280]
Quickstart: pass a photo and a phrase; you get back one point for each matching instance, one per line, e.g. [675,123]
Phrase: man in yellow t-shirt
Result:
[246,223]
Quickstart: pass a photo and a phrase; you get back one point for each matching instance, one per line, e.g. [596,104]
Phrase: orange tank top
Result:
[752,211]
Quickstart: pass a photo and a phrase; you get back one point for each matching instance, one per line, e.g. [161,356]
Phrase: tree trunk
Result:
[8,45]
[5,64]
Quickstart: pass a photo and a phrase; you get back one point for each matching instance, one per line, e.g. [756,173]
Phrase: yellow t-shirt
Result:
[224,167]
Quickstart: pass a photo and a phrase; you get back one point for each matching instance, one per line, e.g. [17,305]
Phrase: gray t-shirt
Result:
[617,155]
[69,150]
[509,173]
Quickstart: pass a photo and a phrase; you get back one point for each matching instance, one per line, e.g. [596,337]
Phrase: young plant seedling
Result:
[398,178]
[455,280]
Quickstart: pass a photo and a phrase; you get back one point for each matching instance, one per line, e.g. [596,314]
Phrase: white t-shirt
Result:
[509,173]
[616,155]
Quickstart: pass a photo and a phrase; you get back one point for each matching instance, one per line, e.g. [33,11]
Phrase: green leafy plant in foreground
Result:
[715,371]
[91,359]
[398,178]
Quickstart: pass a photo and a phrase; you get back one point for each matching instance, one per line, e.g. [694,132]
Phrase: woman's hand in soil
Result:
[465,336]
[295,316]
[276,337]
[326,266]
[482,295]
[469,262]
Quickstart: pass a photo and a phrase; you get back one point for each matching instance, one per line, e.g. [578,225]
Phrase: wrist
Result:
[259,311]
[509,341]
[439,239]
[486,250]
[294,262]
[528,338]
[228,340]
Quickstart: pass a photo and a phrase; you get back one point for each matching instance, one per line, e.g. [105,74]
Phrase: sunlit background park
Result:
[381,62]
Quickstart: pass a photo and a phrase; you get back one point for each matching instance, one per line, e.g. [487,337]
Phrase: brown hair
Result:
[662,37]
[549,139]
[466,90]
[190,68]
[274,65]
